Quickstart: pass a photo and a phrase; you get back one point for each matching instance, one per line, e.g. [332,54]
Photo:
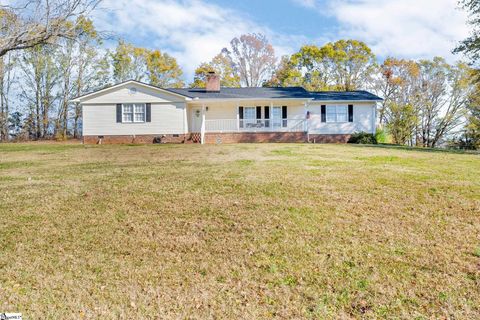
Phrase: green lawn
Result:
[238,231]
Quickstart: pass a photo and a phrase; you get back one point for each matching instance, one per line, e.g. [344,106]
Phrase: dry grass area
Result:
[238,232]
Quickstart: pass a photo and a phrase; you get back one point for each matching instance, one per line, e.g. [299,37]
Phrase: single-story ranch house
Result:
[134,112]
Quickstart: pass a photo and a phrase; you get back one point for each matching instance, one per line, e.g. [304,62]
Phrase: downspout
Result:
[307,120]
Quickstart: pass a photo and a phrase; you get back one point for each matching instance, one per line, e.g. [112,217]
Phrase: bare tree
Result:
[253,57]
[40,76]
[7,78]
[27,23]
[443,95]
[396,83]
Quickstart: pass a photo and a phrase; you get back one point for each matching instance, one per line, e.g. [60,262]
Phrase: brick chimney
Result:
[213,82]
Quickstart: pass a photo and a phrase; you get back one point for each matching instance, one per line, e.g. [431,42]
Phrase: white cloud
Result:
[405,28]
[193,31]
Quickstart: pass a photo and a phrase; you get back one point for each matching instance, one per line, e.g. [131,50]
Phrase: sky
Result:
[193,31]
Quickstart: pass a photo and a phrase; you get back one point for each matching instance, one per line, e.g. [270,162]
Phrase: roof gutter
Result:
[347,101]
[197,99]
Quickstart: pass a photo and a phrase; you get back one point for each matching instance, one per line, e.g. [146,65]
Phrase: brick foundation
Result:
[258,137]
[329,138]
[138,139]
[215,138]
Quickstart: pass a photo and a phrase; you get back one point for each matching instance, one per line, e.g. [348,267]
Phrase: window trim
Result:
[133,112]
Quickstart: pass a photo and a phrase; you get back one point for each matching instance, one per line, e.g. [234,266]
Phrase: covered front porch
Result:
[247,116]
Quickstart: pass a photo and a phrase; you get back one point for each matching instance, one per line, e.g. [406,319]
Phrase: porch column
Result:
[307,121]
[185,120]
[202,130]
[270,118]
[238,116]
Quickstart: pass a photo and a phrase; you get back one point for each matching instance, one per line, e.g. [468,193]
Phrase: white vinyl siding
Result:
[166,119]
[363,119]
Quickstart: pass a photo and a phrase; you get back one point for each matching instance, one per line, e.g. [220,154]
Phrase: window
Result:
[133,112]
[249,113]
[337,114]
[249,116]
[127,113]
[139,113]
[276,117]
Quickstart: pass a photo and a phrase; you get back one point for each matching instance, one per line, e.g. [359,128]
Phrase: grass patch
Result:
[476,252]
[238,231]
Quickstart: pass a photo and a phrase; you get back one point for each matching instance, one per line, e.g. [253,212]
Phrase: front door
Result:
[196,119]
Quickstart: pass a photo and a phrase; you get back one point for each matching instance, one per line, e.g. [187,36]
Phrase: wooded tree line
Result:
[426,102]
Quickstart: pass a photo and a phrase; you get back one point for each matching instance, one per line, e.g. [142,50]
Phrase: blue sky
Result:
[193,31]
[284,16]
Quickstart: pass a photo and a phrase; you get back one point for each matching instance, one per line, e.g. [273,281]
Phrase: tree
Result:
[40,76]
[353,63]
[15,124]
[82,69]
[396,84]
[343,65]
[128,62]
[7,79]
[253,58]
[313,63]
[471,135]
[402,122]
[285,75]
[222,65]
[471,45]
[133,63]
[443,94]
[163,70]
[28,23]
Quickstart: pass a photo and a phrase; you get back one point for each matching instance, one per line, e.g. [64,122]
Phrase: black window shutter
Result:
[119,113]
[240,116]
[350,113]
[149,112]
[267,112]
[266,116]
[324,113]
[284,112]
[259,112]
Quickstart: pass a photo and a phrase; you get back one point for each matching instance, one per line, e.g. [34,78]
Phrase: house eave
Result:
[86,96]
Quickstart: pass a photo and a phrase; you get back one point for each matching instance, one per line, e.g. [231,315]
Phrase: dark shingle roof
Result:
[358,95]
[276,93]
[245,93]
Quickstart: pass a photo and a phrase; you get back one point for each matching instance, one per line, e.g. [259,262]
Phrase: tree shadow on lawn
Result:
[421,149]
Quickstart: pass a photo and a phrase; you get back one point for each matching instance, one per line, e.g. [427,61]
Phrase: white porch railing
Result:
[254,125]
